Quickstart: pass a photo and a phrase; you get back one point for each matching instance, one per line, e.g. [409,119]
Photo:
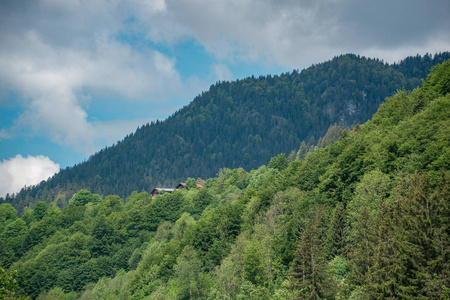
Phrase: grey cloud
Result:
[301,32]
[393,24]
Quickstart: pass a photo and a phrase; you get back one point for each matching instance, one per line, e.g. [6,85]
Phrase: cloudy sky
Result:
[79,75]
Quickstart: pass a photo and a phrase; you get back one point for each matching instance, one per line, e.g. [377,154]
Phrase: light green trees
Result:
[374,188]
[40,210]
[8,284]
[188,274]
[83,197]
[7,214]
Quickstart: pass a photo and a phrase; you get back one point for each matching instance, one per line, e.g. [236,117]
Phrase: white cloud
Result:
[222,72]
[53,71]
[19,171]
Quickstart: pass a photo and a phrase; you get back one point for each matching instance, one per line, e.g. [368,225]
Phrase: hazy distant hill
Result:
[238,124]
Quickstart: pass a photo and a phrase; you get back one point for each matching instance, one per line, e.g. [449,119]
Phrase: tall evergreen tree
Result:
[411,256]
[426,221]
[360,248]
[389,274]
[337,231]
[309,275]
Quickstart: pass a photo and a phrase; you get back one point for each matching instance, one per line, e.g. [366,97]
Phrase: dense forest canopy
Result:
[237,124]
[365,217]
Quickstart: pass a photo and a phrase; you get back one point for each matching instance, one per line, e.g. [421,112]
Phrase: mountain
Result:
[237,124]
[366,217]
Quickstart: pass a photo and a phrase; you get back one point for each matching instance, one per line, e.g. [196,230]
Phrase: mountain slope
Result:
[237,124]
[366,217]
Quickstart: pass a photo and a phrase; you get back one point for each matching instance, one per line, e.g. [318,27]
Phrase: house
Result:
[182,185]
[157,191]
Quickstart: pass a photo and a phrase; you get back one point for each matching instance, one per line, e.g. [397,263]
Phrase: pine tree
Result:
[309,275]
[360,248]
[336,235]
[411,256]
[427,231]
[389,274]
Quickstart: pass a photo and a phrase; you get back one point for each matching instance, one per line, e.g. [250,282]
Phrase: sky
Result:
[79,75]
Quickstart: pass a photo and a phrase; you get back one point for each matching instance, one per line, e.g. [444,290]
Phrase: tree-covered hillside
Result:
[237,124]
[366,217]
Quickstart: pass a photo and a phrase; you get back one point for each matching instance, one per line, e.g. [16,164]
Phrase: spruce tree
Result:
[309,275]
[427,232]
[389,275]
[360,248]
[336,235]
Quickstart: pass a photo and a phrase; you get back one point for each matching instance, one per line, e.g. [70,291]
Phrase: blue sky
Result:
[76,76]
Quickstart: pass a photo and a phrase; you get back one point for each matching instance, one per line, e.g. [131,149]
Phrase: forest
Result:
[237,124]
[363,217]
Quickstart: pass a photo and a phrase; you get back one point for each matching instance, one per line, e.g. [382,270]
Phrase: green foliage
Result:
[116,288]
[40,210]
[411,259]
[439,79]
[84,197]
[253,292]
[334,132]
[201,199]
[57,293]
[187,274]
[335,243]
[309,275]
[12,241]
[279,162]
[169,206]
[370,193]
[365,217]
[7,214]
[191,183]
[254,265]
[241,124]
[339,268]
[8,284]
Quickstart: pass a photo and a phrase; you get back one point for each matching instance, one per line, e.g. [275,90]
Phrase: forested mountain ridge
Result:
[366,217]
[237,124]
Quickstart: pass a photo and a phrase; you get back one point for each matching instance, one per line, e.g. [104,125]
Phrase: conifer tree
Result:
[336,235]
[360,247]
[309,275]
[411,256]
[389,275]
[426,225]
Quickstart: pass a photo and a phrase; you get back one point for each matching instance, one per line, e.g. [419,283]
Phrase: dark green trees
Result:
[310,277]
[238,124]
[366,217]
[411,258]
